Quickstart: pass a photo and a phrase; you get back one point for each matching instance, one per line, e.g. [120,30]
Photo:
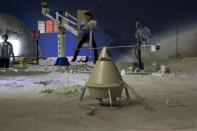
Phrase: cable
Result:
[110,47]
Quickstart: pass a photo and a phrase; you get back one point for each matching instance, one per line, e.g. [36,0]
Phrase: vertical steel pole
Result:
[176,43]
[139,53]
[37,52]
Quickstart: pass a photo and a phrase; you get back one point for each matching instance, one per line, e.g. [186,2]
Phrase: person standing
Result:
[86,26]
[6,51]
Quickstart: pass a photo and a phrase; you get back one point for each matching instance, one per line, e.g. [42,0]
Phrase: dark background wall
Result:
[116,21]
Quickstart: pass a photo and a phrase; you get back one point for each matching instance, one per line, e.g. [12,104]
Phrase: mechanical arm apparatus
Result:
[64,23]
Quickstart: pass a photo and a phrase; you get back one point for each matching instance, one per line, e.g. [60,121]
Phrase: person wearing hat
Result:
[86,26]
[6,51]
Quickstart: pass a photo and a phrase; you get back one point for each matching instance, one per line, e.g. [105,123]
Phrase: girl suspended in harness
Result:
[86,26]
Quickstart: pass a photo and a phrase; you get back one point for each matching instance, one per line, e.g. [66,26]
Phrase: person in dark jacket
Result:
[6,52]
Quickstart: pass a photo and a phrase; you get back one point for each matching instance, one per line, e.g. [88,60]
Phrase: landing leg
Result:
[110,99]
[127,94]
[82,95]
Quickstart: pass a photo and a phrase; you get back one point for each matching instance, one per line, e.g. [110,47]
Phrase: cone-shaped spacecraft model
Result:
[105,75]
[105,80]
